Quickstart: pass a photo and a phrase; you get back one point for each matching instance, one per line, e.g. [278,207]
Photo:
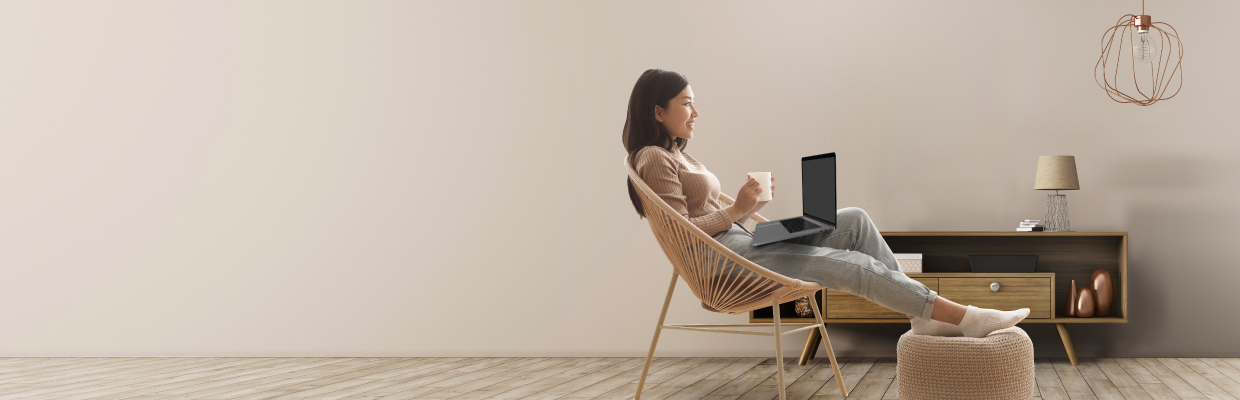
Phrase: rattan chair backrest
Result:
[723,280]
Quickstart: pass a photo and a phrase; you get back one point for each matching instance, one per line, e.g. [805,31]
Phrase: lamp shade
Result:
[1056,173]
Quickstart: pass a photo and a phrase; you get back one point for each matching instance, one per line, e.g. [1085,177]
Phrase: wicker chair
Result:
[724,281]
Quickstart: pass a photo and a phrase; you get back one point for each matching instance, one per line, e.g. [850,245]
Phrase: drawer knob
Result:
[994,286]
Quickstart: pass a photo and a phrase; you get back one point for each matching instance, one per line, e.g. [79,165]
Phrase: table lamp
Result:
[1056,173]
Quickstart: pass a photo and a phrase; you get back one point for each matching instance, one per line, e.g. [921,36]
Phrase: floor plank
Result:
[875,382]
[1136,371]
[819,379]
[1223,367]
[537,378]
[893,391]
[709,384]
[587,380]
[1194,378]
[1044,374]
[1073,382]
[768,388]
[745,382]
[1116,373]
[1159,391]
[1173,381]
[102,388]
[1053,393]
[655,378]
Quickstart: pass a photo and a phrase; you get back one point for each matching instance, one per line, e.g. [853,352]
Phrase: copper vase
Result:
[1085,303]
[1069,310]
[1100,282]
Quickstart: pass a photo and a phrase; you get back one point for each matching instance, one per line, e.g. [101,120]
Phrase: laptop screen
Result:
[818,187]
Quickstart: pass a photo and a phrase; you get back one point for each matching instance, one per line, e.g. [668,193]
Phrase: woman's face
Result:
[678,117]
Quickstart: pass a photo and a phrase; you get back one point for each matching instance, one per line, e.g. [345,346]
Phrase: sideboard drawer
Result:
[1032,293]
[844,305]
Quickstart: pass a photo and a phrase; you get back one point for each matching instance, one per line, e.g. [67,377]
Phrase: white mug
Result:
[764,182]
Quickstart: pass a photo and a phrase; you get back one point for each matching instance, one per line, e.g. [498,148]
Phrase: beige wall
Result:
[444,178]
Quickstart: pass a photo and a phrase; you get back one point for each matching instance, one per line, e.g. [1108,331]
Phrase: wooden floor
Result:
[566,378]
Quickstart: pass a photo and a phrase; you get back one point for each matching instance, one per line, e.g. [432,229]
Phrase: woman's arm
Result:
[743,218]
[738,215]
[658,169]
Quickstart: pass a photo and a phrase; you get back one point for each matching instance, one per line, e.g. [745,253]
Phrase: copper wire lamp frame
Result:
[1161,72]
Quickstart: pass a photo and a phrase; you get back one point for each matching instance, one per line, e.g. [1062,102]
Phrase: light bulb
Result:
[1145,47]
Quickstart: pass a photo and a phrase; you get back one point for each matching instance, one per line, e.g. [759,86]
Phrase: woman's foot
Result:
[926,326]
[979,322]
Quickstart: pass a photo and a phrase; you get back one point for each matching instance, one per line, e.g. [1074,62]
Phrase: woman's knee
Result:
[852,213]
[859,265]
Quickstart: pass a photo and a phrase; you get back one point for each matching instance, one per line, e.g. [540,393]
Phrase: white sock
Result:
[926,326]
[979,322]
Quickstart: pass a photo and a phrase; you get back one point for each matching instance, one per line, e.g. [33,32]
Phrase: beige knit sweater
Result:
[685,185]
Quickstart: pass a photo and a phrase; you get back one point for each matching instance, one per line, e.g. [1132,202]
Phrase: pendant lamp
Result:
[1150,52]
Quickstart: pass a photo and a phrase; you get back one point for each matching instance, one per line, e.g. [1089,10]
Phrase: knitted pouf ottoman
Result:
[996,367]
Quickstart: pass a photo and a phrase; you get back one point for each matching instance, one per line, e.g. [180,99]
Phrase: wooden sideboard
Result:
[1062,257]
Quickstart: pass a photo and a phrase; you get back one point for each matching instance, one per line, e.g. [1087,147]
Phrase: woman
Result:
[853,258]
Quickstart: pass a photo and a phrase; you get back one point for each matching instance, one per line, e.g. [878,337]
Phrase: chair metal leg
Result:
[658,328]
[822,328]
[779,348]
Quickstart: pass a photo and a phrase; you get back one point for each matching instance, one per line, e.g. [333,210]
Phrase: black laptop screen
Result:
[818,186]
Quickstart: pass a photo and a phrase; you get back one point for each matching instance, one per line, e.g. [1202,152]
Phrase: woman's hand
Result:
[747,197]
[761,204]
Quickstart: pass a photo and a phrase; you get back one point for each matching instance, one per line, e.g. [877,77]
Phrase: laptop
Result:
[817,204]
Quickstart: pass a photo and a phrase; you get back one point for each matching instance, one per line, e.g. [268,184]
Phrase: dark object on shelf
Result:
[1003,263]
[1069,310]
[1100,282]
[802,308]
[1085,303]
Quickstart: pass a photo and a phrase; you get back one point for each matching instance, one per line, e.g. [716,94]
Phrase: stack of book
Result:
[1030,225]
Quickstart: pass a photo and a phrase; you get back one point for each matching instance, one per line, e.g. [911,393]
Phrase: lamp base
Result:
[1057,213]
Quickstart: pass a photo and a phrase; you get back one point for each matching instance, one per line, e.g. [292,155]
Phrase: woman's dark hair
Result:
[656,87]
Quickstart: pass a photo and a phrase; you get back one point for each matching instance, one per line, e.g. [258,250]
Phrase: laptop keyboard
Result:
[796,225]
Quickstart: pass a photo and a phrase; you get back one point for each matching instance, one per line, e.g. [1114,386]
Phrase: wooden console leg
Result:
[811,347]
[813,351]
[1067,342]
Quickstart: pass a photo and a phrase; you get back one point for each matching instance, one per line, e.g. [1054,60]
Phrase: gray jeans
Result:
[853,258]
